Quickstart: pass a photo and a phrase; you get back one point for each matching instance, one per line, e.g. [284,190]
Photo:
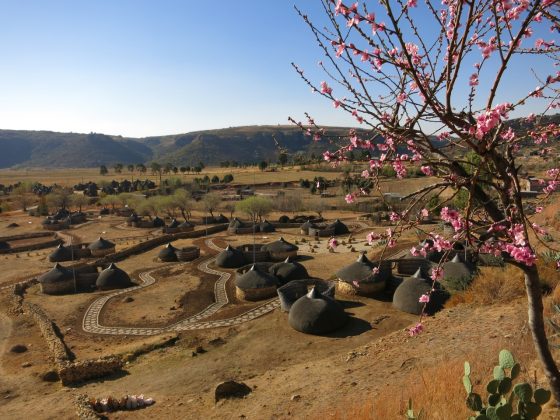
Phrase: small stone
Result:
[200,350]
[25,364]
[127,299]
[295,397]
[18,348]
[50,376]
[231,389]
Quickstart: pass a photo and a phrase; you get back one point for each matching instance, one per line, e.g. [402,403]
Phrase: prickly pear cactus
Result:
[505,401]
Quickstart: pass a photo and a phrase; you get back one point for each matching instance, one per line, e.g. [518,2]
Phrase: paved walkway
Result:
[91,318]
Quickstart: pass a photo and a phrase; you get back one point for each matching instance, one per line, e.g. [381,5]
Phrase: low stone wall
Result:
[58,349]
[30,235]
[168,230]
[365,289]
[83,407]
[75,372]
[242,230]
[157,241]
[32,247]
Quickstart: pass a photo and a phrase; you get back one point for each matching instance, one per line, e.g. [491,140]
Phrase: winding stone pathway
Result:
[91,323]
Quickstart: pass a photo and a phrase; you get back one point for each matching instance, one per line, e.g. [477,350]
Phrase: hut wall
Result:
[102,252]
[188,254]
[321,232]
[86,281]
[365,289]
[409,266]
[247,251]
[58,288]
[281,256]
[241,230]
[254,295]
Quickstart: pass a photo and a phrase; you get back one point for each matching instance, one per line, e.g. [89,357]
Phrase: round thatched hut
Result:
[230,258]
[188,253]
[174,224]
[407,295]
[316,313]
[266,227]
[133,220]
[338,227]
[359,277]
[280,250]
[59,280]
[101,247]
[304,228]
[60,254]
[253,252]
[457,275]
[221,219]
[288,270]
[168,253]
[113,278]
[410,264]
[186,226]
[157,222]
[255,284]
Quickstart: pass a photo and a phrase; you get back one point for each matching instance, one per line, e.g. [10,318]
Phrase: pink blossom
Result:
[375,270]
[349,198]
[437,274]
[333,243]
[325,88]
[336,103]
[411,3]
[538,209]
[417,329]
[424,213]
[355,283]
[427,170]
[372,236]
[425,298]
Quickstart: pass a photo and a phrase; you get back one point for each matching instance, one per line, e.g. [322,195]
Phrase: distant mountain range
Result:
[47,149]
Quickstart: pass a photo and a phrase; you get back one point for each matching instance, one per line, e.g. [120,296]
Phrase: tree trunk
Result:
[536,325]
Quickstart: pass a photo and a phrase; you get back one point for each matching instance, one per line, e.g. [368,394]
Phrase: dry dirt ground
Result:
[292,375]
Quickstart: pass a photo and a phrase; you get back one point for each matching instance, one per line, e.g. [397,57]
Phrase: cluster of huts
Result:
[65,280]
[322,230]
[62,219]
[262,274]
[98,248]
[169,253]
[115,187]
[237,227]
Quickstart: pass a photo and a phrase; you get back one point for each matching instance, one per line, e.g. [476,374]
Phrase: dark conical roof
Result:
[360,271]
[288,270]
[266,226]
[456,274]
[113,278]
[281,245]
[174,224]
[101,244]
[158,222]
[255,279]
[315,313]
[167,253]
[308,224]
[57,274]
[221,219]
[230,258]
[186,223]
[407,295]
[4,245]
[60,253]
[236,223]
[339,227]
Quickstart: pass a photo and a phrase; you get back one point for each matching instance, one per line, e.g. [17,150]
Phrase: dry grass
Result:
[491,286]
[437,390]
[502,285]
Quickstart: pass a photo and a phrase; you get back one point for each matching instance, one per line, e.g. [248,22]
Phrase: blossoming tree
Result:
[423,80]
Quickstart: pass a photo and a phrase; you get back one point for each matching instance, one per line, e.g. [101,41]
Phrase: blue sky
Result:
[140,68]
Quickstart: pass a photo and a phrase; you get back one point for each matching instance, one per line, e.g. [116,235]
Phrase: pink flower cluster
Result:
[453,217]
[416,330]
[333,243]
[487,121]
